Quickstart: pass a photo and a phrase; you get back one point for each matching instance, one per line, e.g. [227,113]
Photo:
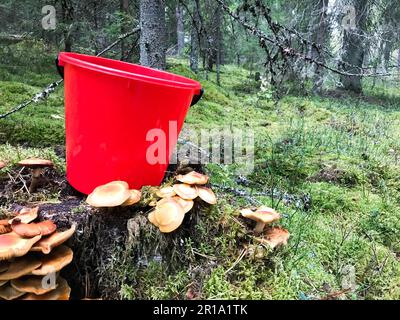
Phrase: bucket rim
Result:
[74,59]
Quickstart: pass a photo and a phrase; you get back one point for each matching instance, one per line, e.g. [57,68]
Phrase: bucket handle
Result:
[60,69]
[197,97]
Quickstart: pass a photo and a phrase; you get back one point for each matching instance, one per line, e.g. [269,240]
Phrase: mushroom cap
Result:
[166,192]
[62,292]
[187,205]
[7,292]
[134,197]
[26,215]
[32,284]
[29,230]
[192,177]
[246,211]
[262,214]
[12,245]
[4,226]
[166,211]
[168,216]
[185,191]
[152,218]
[2,164]
[34,163]
[45,245]
[112,194]
[55,261]
[275,237]
[207,195]
[20,267]
[152,203]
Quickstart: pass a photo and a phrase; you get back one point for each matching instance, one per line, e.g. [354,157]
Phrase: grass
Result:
[331,162]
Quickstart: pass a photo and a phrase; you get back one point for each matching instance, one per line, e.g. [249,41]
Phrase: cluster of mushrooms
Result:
[36,165]
[176,200]
[273,236]
[31,257]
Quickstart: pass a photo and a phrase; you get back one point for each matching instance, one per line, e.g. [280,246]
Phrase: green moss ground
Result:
[339,154]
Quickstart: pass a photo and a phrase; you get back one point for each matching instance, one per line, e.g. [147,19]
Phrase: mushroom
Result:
[192,177]
[32,284]
[37,165]
[45,245]
[29,230]
[207,195]
[166,192]
[112,194]
[3,282]
[168,216]
[62,292]
[4,265]
[26,215]
[134,197]
[185,191]
[2,164]
[263,215]
[7,292]
[4,226]
[20,267]
[187,205]
[152,218]
[55,261]
[275,237]
[12,245]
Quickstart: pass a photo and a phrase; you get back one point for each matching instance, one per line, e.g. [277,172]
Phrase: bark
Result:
[153,36]
[218,37]
[67,16]
[180,32]
[195,39]
[387,53]
[321,34]
[354,48]
[398,59]
[124,6]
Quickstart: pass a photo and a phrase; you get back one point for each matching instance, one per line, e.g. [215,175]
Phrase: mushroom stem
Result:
[259,227]
[35,179]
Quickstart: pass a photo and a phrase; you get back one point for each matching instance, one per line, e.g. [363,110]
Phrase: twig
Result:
[241,255]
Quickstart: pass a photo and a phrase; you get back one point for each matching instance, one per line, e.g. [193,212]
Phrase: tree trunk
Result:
[195,39]
[398,59]
[218,37]
[180,32]
[354,48]
[321,34]
[152,36]
[387,53]
[124,6]
[67,16]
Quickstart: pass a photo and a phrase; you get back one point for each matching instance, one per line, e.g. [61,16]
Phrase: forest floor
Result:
[329,164]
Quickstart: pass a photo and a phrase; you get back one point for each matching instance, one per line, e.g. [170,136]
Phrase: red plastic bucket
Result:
[110,107]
